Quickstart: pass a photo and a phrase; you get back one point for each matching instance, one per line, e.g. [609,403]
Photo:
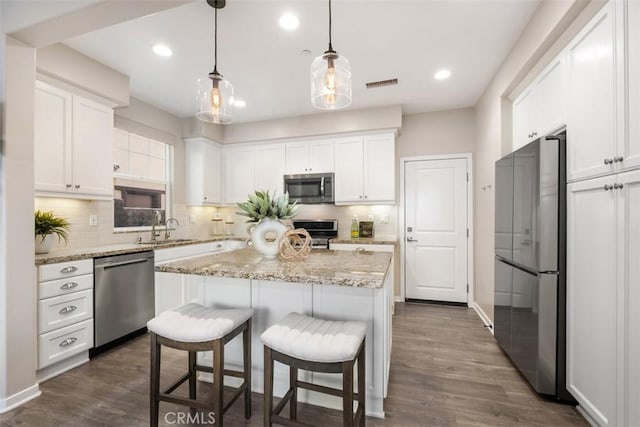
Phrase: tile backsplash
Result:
[195,221]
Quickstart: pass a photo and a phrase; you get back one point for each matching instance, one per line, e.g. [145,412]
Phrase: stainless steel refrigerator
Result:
[530,290]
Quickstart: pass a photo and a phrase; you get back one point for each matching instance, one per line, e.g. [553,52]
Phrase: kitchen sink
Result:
[167,242]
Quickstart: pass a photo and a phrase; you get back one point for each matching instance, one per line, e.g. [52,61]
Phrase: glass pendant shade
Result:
[330,81]
[215,99]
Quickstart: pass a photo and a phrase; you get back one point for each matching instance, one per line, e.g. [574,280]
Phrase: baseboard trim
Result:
[587,416]
[398,298]
[19,398]
[483,316]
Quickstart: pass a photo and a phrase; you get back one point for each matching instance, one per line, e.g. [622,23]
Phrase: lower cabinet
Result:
[603,298]
[65,316]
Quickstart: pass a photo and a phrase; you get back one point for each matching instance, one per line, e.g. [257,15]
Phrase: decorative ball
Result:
[295,244]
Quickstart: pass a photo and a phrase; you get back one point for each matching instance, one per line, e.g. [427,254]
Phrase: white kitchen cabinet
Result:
[203,172]
[365,169]
[603,296]
[238,173]
[630,151]
[73,145]
[592,100]
[309,157]
[121,151]
[541,108]
[268,168]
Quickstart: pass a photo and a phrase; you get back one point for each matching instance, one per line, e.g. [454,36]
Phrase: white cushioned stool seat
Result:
[196,323]
[315,340]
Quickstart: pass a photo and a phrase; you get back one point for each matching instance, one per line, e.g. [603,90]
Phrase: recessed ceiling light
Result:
[162,50]
[239,103]
[442,75]
[289,21]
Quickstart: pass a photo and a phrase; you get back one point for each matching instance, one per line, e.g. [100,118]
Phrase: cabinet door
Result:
[238,174]
[591,103]
[52,151]
[268,168]
[629,268]
[121,151]
[211,174]
[631,150]
[379,168]
[349,163]
[321,156]
[297,157]
[169,291]
[591,298]
[138,156]
[524,111]
[550,97]
[92,148]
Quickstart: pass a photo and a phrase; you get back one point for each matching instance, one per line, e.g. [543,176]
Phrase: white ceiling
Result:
[407,39]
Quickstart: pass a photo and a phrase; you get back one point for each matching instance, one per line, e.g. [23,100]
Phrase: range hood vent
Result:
[381,83]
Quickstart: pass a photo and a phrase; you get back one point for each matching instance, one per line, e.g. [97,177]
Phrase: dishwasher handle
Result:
[118,264]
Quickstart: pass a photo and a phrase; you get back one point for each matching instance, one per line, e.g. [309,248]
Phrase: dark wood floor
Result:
[446,370]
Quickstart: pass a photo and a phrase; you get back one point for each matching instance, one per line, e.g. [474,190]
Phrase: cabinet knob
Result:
[608,161]
[68,185]
[361,197]
[68,309]
[534,134]
[617,186]
[608,187]
[305,169]
[68,342]
[618,159]
[77,186]
[366,197]
[205,197]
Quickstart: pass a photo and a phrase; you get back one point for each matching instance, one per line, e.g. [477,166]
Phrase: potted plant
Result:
[47,224]
[265,213]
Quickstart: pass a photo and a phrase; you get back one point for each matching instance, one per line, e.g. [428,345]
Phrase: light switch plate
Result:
[93,219]
[192,219]
[384,219]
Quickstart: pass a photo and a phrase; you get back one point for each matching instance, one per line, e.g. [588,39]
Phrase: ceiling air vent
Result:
[381,83]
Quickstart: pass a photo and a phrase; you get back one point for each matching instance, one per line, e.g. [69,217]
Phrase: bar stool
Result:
[194,328]
[304,342]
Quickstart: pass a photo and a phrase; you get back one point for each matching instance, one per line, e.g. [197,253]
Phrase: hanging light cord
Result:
[330,46]
[215,43]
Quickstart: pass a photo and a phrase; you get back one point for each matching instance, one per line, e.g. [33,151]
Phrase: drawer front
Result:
[56,312]
[162,255]
[63,270]
[355,246]
[66,286]
[65,342]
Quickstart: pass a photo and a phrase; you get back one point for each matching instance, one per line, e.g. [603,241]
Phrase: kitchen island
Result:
[327,284]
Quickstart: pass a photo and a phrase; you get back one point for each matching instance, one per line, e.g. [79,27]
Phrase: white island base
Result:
[272,300]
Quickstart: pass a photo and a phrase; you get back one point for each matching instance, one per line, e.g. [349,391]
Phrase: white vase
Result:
[265,236]
[43,246]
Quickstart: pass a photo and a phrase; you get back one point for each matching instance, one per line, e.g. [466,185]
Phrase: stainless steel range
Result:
[321,230]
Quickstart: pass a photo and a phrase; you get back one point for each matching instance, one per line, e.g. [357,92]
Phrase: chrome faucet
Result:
[157,220]
[166,230]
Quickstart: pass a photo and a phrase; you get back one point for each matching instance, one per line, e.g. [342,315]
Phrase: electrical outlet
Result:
[93,219]
[384,219]
[192,219]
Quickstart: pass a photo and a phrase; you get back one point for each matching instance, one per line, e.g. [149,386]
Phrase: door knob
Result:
[618,159]
[411,239]
[608,161]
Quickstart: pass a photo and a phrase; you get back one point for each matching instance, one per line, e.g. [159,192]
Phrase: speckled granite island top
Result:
[360,269]
[365,240]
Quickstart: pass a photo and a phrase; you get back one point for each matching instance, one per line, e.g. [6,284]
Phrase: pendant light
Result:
[330,78]
[215,94]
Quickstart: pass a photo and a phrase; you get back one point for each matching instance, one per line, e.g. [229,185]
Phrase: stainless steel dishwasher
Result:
[123,297]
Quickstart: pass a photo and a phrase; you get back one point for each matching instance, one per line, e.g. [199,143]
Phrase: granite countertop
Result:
[366,240]
[64,255]
[363,269]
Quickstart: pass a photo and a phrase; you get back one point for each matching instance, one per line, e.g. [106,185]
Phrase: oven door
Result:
[310,188]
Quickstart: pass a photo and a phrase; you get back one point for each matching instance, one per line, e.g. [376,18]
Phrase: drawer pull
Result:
[69,269]
[69,285]
[68,342]
[68,309]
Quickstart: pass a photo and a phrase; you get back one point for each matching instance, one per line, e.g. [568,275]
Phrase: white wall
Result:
[17,280]
[552,26]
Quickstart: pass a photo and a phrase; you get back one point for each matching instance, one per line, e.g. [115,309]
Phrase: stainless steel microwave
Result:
[310,188]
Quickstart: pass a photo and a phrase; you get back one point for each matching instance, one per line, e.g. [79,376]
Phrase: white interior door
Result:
[436,230]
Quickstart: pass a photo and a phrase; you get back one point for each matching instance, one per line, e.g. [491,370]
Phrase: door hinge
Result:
[467,288]
[467,233]
[467,176]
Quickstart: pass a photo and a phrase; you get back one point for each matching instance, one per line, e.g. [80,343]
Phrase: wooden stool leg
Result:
[268,386]
[293,402]
[362,388]
[218,380]
[154,381]
[246,338]
[192,377]
[347,393]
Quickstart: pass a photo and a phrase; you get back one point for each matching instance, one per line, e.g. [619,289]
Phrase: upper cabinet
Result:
[268,168]
[630,150]
[541,108]
[203,172]
[73,145]
[365,169]
[309,157]
[592,104]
